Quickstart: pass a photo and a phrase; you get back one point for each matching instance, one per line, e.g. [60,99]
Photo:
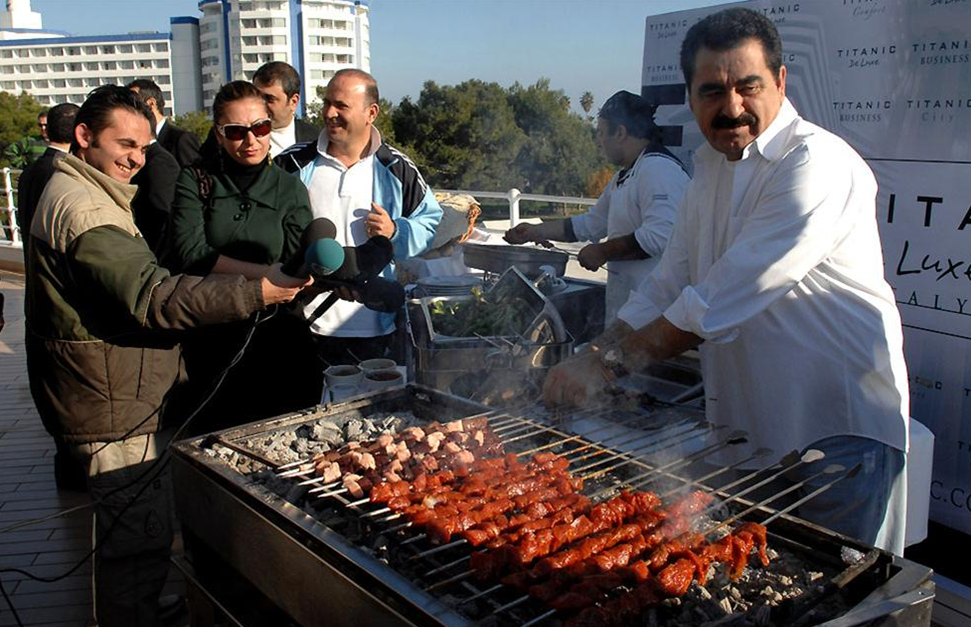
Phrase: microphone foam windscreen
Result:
[325,256]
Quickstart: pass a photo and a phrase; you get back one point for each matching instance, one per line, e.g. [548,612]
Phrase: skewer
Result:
[450,580]
[510,605]
[631,456]
[481,594]
[439,569]
[759,453]
[736,437]
[539,618]
[333,493]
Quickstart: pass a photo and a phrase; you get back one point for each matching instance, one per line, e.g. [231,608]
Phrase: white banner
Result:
[893,78]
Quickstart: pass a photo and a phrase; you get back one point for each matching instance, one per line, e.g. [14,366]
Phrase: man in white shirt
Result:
[366,188]
[775,272]
[635,212]
[279,83]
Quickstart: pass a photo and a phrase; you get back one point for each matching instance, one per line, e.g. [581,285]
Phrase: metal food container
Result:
[527,259]
[474,366]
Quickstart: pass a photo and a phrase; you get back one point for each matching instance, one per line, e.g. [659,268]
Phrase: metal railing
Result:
[514,197]
[8,226]
[11,232]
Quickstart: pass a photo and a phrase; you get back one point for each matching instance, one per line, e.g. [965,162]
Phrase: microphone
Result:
[318,229]
[360,270]
[324,257]
[361,264]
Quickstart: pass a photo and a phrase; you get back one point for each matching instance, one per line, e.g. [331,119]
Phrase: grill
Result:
[268,550]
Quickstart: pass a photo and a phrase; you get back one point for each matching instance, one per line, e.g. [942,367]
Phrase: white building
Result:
[230,41]
[317,37]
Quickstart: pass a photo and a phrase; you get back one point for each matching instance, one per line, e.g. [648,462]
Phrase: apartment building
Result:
[229,41]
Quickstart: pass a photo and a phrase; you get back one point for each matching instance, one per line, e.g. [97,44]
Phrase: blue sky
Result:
[580,45]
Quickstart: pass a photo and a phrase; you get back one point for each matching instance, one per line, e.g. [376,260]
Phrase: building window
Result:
[125,48]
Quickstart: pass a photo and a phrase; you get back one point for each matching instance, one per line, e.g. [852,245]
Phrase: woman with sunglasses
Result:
[236,213]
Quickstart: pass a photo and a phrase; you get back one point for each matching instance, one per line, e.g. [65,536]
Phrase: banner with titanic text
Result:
[893,78]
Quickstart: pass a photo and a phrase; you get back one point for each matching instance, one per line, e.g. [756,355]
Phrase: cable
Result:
[157,462]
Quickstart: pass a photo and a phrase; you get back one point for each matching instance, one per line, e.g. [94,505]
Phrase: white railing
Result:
[10,230]
[514,196]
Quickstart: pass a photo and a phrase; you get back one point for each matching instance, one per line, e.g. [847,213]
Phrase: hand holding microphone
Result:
[318,253]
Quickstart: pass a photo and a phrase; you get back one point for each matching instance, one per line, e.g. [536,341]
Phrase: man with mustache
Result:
[366,188]
[775,272]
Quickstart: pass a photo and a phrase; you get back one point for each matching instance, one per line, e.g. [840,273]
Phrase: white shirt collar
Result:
[323,140]
[158,127]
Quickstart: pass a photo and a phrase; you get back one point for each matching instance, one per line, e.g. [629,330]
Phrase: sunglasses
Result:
[238,132]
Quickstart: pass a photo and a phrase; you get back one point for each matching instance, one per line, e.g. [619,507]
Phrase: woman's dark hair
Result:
[726,30]
[95,112]
[231,92]
[633,113]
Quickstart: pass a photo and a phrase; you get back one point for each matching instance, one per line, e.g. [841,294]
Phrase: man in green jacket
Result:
[102,354]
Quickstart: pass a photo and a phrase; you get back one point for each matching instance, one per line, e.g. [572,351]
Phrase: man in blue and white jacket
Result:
[366,188]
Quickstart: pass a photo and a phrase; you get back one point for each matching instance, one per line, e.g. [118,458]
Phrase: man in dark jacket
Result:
[280,85]
[60,130]
[183,145]
[102,318]
[156,189]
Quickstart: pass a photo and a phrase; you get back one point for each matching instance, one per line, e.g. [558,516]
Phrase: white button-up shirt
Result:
[775,261]
[283,138]
[643,201]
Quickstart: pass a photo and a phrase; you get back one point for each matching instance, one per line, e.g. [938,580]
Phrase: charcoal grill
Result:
[311,555]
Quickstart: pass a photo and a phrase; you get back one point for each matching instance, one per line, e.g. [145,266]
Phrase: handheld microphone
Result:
[360,270]
[318,229]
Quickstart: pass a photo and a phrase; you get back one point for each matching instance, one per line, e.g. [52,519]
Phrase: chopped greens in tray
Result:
[484,314]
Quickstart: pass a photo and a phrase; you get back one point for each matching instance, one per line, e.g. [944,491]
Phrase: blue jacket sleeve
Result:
[416,232]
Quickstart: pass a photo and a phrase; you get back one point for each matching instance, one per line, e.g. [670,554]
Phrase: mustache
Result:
[723,121]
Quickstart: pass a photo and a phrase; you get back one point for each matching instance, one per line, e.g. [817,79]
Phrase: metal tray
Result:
[526,259]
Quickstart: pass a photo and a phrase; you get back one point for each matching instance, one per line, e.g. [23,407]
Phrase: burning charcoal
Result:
[725,604]
[295,493]
[785,581]
[300,445]
[851,556]
[303,431]
[703,593]
[352,431]
[369,427]
[812,576]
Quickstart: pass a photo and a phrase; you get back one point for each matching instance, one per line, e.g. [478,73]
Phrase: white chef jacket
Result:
[641,200]
[775,261]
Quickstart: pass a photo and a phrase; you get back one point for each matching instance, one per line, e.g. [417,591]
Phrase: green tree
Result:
[198,122]
[465,135]
[18,124]
[586,102]
[561,149]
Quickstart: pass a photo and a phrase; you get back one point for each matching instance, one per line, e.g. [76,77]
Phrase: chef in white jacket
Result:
[775,272]
[632,220]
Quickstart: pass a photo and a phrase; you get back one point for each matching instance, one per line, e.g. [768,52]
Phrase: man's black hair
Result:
[95,113]
[147,88]
[633,113]
[278,72]
[60,123]
[726,30]
[41,113]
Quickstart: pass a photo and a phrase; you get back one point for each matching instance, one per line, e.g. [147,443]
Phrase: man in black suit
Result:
[280,85]
[182,144]
[69,474]
[156,189]
[59,127]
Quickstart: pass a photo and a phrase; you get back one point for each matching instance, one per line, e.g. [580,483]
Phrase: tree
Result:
[466,135]
[198,122]
[597,181]
[18,123]
[586,103]
[561,148]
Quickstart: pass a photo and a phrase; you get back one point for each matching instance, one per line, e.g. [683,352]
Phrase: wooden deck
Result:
[50,548]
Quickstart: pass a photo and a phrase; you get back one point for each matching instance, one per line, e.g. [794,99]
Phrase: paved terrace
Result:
[27,492]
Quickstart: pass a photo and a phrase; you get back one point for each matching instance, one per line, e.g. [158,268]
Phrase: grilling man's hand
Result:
[574,382]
